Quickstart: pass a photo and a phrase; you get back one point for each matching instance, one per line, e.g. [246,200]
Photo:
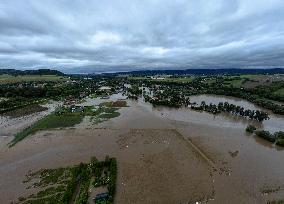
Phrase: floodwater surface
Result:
[275,123]
[250,169]
[165,155]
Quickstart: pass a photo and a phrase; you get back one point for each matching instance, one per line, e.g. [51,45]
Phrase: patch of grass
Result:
[114,104]
[97,95]
[251,76]
[237,82]
[279,92]
[106,111]
[49,122]
[109,115]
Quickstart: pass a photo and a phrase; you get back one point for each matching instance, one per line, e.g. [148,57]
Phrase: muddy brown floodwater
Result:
[164,155]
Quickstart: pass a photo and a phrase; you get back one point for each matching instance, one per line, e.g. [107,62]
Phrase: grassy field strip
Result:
[279,92]
[51,121]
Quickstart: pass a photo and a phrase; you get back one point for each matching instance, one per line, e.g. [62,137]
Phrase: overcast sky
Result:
[116,35]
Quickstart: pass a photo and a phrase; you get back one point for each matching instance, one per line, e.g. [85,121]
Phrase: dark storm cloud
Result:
[131,34]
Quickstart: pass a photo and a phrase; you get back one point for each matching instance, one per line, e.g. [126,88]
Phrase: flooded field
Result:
[275,123]
[9,125]
[164,155]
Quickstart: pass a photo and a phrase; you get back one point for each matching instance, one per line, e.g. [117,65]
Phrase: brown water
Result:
[275,123]
[156,162]
[256,165]
[10,126]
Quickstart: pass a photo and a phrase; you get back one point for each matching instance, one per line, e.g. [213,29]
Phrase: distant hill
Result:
[31,72]
[199,72]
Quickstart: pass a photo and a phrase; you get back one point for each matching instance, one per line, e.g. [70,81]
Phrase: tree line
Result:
[233,109]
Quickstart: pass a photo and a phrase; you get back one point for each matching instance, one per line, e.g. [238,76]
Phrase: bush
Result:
[279,135]
[250,128]
[280,142]
[266,135]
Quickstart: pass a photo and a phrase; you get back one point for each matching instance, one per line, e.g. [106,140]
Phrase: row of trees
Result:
[277,137]
[262,95]
[233,109]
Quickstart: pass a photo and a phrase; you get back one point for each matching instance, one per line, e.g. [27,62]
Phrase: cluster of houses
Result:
[70,104]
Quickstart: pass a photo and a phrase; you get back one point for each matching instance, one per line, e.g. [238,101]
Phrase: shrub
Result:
[280,142]
[250,128]
[265,135]
[279,135]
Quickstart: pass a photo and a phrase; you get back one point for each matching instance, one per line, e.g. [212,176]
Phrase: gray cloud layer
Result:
[133,34]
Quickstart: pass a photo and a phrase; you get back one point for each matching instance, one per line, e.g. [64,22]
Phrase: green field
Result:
[5,78]
[166,79]
[49,122]
[251,76]
[279,92]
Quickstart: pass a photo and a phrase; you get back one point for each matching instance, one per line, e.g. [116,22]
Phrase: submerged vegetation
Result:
[233,109]
[266,135]
[250,128]
[263,90]
[71,184]
[276,138]
[49,122]
[69,116]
